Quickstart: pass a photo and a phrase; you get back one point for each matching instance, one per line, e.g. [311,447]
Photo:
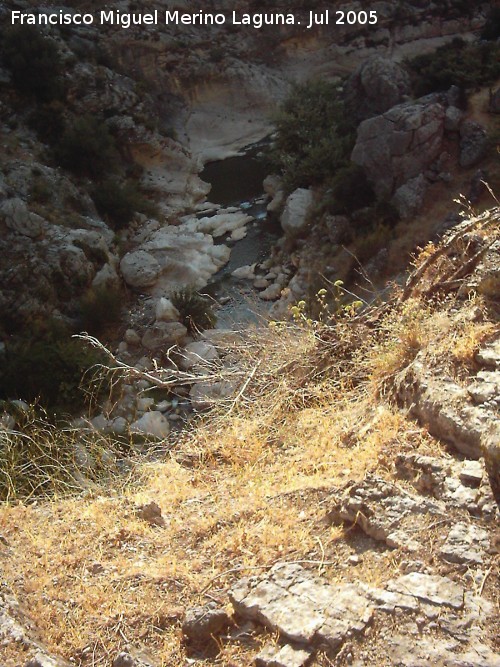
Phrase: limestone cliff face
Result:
[223,81]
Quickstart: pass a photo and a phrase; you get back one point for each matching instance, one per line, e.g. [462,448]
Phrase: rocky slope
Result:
[153,84]
[341,507]
[314,522]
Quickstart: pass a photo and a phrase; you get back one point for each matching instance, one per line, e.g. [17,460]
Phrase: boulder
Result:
[125,659]
[271,293]
[272,184]
[152,424]
[202,623]
[165,311]
[400,144]
[198,353]
[132,338]
[20,219]
[151,512]
[474,143]
[453,118]
[238,234]
[187,257]
[106,277]
[466,543]
[282,656]
[140,269]
[375,87]
[73,263]
[294,219]
[245,272]
[164,334]
[408,199]
[223,223]
[277,202]
[205,394]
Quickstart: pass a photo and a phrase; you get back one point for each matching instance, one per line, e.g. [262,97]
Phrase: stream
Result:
[237,182]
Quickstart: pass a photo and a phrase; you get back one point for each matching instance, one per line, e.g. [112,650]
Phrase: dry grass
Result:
[40,458]
[248,487]
[223,519]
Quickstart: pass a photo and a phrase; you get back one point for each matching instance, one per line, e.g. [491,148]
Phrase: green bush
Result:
[48,370]
[382,214]
[47,120]
[41,190]
[196,310]
[491,30]
[350,190]
[118,203]
[87,148]
[101,308]
[34,62]
[457,63]
[367,245]
[314,138]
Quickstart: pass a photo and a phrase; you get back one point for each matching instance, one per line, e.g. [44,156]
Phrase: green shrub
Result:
[47,120]
[48,370]
[457,63]
[101,308]
[382,214]
[350,190]
[491,30]
[196,310]
[118,203]
[314,138]
[87,148]
[41,190]
[34,62]
[368,244]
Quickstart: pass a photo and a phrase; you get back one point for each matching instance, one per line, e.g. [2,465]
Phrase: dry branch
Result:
[166,378]
[446,246]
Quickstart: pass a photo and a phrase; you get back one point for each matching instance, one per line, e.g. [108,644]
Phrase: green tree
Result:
[34,62]
[314,138]
[491,30]
[117,203]
[87,148]
[457,63]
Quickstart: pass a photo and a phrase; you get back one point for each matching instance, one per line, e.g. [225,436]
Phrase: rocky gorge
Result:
[338,505]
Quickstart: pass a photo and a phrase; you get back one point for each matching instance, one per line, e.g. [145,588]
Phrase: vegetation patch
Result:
[196,310]
[118,203]
[458,63]
[348,191]
[34,63]
[48,370]
[39,458]
[314,136]
[87,148]
[101,308]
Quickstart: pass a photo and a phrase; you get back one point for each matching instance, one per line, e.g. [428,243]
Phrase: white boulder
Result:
[165,311]
[245,272]
[20,219]
[294,219]
[140,269]
[152,424]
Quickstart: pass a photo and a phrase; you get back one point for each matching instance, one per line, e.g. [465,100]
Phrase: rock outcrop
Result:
[400,145]
[375,87]
[295,217]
